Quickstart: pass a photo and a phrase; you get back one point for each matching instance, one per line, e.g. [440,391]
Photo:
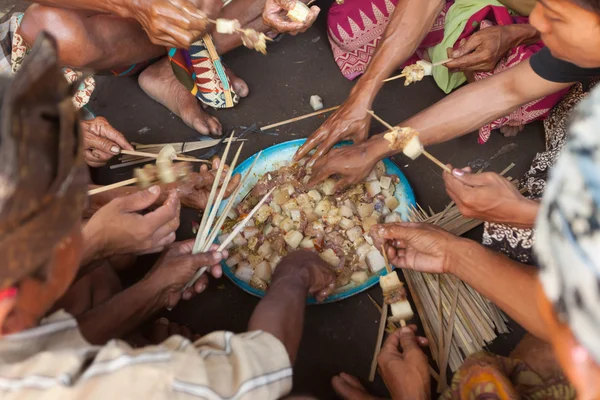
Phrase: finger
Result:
[165,241]
[116,137]
[392,343]
[232,185]
[201,284]
[276,21]
[422,341]
[168,211]
[324,148]
[216,270]
[182,248]
[153,250]
[408,340]
[311,143]
[466,47]
[342,183]
[160,330]
[321,174]
[400,230]
[202,259]
[173,329]
[140,200]
[164,231]
[101,144]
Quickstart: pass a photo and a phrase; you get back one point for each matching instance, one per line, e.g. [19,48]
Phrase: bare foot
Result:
[348,387]
[239,86]
[159,82]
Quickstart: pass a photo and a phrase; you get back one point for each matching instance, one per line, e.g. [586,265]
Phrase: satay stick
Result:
[382,322]
[289,121]
[442,62]
[217,204]
[231,236]
[425,153]
[388,268]
[393,78]
[152,155]
[112,186]
[448,342]
[211,197]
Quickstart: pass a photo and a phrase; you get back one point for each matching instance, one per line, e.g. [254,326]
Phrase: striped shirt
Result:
[53,361]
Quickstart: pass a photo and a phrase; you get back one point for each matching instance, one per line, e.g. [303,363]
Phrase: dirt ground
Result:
[340,336]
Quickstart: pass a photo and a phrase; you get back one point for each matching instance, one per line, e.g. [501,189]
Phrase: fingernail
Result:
[154,189]
[162,321]
[406,329]
[115,149]
[458,172]
[218,255]
[187,295]
[201,288]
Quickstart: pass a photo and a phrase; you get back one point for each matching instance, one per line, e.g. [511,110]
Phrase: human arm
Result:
[457,114]
[160,288]
[169,23]
[409,23]
[281,311]
[482,50]
[490,197]
[426,248]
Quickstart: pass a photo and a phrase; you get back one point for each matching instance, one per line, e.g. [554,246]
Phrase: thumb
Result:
[466,47]
[140,200]
[408,340]
[102,144]
[466,177]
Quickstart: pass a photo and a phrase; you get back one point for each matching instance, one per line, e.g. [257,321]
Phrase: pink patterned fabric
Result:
[355,29]
[535,110]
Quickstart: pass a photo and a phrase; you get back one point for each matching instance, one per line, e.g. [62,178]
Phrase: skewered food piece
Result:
[299,13]
[227,26]
[394,294]
[335,225]
[150,175]
[406,139]
[413,73]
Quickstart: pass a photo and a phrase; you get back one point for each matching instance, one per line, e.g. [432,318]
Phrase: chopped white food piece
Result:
[254,259]
[316,196]
[274,261]
[293,238]
[307,243]
[303,200]
[263,213]
[401,310]
[391,203]
[233,260]
[393,217]
[263,271]
[287,225]
[359,277]
[244,272]
[363,250]
[290,205]
[368,222]
[372,176]
[380,169]
[330,257]
[375,260]
[346,223]
[373,188]
[346,211]
[306,179]
[265,249]
[368,239]
[385,182]
[222,239]
[310,215]
[316,102]
[413,148]
[328,187]
[275,207]
[250,231]
[268,229]
[354,233]
[389,282]
[427,67]
[295,215]
[232,214]
[244,253]
[365,210]
[323,207]
[278,219]
[280,196]
[299,13]
[239,240]
[385,211]
[227,26]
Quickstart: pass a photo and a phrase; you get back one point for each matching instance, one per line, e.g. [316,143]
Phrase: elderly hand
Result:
[119,228]
[274,15]
[403,365]
[101,141]
[419,246]
[350,122]
[490,197]
[174,23]
[177,266]
[315,273]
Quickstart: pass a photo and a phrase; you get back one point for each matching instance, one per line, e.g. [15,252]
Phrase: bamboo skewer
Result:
[393,78]
[106,188]
[403,75]
[382,322]
[425,153]
[449,331]
[289,121]
[442,62]
[152,155]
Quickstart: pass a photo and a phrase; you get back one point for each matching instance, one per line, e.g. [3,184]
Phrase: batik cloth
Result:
[568,229]
[517,243]
[14,51]
[54,361]
[485,376]
[201,71]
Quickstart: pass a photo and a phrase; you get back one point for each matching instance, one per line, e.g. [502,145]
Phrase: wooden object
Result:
[382,323]
[106,188]
[152,155]
[289,121]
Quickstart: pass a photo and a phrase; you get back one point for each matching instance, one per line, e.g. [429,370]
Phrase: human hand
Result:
[352,163]
[482,50]
[315,273]
[177,266]
[194,190]
[350,122]
[419,246]
[101,141]
[174,23]
[403,365]
[121,229]
[274,15]
[489,197]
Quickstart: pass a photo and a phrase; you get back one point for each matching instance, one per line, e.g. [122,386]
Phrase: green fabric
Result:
[456,19]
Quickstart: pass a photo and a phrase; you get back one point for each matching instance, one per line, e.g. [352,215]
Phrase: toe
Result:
[200,125]
[240,87]
[214,126]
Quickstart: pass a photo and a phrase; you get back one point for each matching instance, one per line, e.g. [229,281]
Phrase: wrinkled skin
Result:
[274,15]
[101,141]
[174,23]
[351,163]
[315,272]
[350,122]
